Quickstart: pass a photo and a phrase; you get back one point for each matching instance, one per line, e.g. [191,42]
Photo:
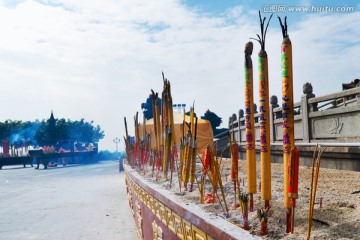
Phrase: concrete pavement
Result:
[80,202]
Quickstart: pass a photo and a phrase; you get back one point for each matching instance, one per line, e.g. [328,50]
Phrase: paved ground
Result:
[80,202]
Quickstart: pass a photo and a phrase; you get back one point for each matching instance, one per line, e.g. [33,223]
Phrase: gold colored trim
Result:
[187,228]
[175,223]
[157,232]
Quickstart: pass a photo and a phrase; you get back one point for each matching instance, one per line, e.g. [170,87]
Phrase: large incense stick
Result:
[249,123]
[264,116]
[287,112]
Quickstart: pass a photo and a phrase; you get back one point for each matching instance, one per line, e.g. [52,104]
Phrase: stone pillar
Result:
[241,115]
[306,108]
[230,124]
[357,95]
[234,127]
[273,104]
[256,119]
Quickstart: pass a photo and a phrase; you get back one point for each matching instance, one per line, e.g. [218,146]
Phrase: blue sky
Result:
[99,60]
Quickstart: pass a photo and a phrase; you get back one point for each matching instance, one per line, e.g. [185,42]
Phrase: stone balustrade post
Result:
[241,115]
[231,124]
[233,129]
[305,109]
[273,104]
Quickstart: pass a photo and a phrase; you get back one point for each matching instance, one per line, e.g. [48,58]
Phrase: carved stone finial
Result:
[233,117]
[273,100]
[353,84]
[241,113]
[307,88]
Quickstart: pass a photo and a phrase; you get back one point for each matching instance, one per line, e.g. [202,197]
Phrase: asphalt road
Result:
[65,203]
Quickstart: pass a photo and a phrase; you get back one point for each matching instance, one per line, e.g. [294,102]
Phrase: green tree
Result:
[37,133]
[77,131]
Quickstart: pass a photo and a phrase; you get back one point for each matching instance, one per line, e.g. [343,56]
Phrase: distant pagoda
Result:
[51,129]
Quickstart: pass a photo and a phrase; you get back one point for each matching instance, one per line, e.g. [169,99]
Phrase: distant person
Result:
[121,163]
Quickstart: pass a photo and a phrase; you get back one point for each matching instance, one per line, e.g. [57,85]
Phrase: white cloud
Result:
[99,59]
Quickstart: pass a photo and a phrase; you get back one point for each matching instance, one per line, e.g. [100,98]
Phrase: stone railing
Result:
[331,119]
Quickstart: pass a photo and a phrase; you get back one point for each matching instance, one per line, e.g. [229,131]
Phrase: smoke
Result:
[26,134]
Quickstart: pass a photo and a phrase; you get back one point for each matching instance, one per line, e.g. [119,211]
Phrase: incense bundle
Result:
[173,162]
[287,111]
[234,150]
[137,157]
[167,123]
[262,215]
[219,182]
[128,145]
[293,182]
[244,202]
[193,158]
[313,187]
[148,149]
[142,154]
[192,120]
[249,123]
[206,160]
[234,162]
[143,145]
[166,134]
[187,160]
[213,176]
[182,149]
[294,173]
[167,151]
[164,120]
[181,158]
[170,113]
[159,153]
[158,159]
[154,97]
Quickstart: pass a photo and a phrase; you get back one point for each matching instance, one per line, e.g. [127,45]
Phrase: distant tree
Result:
[37,133]
[5,130]
[78,131]
[147,107]
[42,136]
[18,132]
[62,129]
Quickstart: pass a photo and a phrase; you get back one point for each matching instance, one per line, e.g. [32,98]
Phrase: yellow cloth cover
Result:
[204,131]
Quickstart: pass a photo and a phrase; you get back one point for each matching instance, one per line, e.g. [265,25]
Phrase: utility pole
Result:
[116,141]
